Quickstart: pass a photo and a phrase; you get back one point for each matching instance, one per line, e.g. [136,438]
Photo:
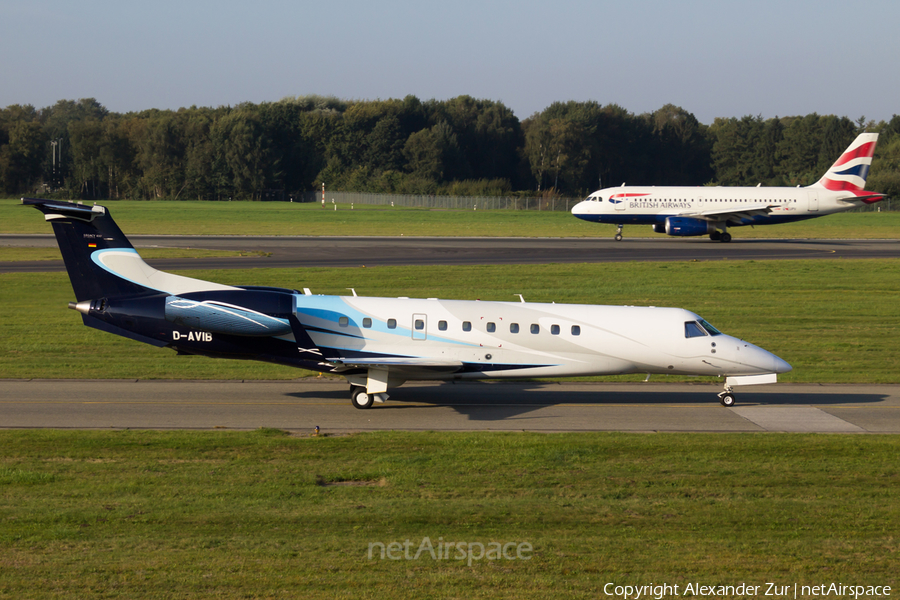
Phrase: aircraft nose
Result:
[580,208]
[759,359]
[765,360]
[781,366]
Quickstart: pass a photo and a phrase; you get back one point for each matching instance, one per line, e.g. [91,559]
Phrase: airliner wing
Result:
[739,213]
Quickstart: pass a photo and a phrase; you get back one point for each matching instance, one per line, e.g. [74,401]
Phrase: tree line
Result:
[461,146]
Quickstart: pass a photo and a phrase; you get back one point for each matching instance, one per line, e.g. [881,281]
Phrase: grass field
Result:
[280,218]
[263,515]
[833,320]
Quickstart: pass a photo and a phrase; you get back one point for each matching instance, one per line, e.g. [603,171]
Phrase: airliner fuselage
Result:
[692,211]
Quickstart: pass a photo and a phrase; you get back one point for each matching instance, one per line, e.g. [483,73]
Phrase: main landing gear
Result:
[727,396]
[722,236]
[361,399]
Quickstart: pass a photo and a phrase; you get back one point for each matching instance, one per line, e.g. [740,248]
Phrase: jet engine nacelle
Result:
[238,312]
[254,312]
[687,226]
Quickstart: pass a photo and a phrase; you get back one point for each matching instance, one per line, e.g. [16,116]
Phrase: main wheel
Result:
[715,236]
[727,399]
[726,237]
[360,398]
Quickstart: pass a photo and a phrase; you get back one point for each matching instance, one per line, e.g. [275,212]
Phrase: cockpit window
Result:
[692,329]
[709,328]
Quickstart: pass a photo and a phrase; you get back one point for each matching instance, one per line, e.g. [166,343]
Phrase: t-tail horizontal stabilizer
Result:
[80,232]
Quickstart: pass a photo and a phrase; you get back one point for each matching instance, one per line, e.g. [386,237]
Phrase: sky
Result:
[713,58]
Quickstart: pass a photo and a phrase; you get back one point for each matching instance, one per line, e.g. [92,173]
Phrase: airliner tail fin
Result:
[850,171]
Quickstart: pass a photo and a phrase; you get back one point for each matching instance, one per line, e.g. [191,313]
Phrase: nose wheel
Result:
[727,397]
[619,233]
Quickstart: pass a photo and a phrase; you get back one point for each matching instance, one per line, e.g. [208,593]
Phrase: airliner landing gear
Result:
[718,236]
[727,397]
[619,233]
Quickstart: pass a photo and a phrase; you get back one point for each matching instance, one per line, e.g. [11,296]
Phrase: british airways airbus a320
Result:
[376,343]
[692,211]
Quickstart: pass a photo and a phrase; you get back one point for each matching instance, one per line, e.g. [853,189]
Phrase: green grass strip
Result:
[262,514]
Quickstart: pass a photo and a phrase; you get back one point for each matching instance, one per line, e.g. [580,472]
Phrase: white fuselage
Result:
[519,339]
[431,338]
[651,205]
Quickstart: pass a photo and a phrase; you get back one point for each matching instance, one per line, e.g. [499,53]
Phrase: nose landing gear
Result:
[727,396]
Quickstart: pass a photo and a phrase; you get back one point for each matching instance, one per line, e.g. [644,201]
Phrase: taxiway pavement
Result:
[301,405]
[296,252]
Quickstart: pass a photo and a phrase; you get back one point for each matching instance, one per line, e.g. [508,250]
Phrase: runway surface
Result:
[295,252]
[301,405]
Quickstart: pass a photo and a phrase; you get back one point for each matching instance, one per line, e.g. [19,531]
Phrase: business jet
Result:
[378,343]
[692,211]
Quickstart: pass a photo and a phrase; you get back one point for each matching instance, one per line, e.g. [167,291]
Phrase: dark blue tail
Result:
[80,232]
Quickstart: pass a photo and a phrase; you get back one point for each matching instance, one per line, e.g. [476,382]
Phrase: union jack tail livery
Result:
[849,172]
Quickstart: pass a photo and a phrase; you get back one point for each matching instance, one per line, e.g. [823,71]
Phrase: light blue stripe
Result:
[95,256]
[332,308]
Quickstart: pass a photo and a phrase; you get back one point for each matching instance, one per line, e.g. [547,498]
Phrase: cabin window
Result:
[554,329]
[442,325]
[692,329]
[467,326]
[392,323]
[535,328]
[343,321]
[419,324]
[514,328]
[491,327]
[576,330]
[367,322]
